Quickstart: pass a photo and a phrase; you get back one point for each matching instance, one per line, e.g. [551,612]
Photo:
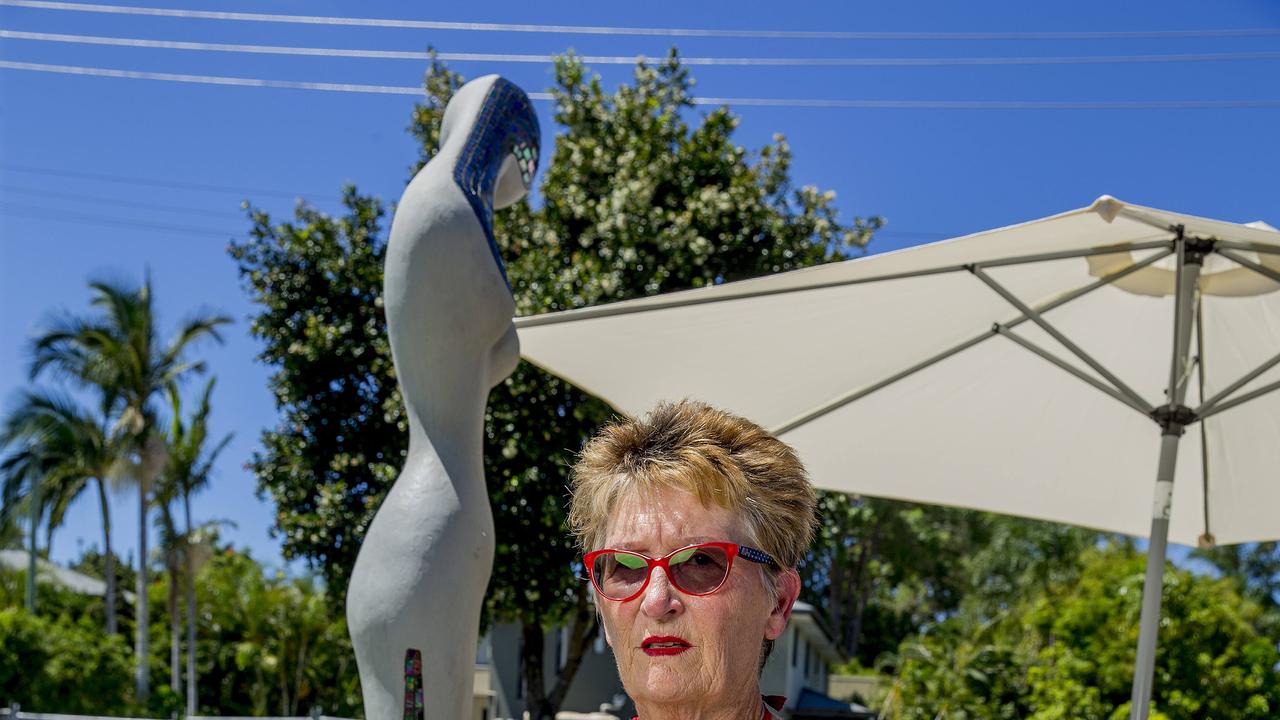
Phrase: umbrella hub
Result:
[1174,419]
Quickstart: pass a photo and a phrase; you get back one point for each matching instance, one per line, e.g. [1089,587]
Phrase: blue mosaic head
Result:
[505,126]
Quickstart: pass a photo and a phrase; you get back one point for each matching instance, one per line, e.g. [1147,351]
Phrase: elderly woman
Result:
[693,521]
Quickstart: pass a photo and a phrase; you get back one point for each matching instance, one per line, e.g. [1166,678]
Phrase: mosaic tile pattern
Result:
[505,125]
[755,555]
[413,700]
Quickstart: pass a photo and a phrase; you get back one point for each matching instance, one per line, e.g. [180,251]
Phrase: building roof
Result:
[56,575]
[813,626]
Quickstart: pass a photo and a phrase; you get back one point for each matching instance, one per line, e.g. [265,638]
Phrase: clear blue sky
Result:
[70,144]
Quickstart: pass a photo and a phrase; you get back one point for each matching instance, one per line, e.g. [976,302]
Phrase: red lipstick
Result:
[658,645]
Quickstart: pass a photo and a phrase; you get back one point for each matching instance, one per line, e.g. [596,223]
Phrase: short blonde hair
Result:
[715,455]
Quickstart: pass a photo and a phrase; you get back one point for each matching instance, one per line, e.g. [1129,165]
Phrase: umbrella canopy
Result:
[1020,370]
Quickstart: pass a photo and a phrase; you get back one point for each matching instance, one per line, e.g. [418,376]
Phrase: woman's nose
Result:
[660,598]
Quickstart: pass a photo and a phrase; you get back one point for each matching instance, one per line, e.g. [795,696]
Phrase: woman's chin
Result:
[665,683]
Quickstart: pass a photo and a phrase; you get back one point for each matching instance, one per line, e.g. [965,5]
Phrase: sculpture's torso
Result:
[419,581]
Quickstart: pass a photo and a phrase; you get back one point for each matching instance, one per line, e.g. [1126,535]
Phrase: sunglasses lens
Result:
[619,575]
[699,570]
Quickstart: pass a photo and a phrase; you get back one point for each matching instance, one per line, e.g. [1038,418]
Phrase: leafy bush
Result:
[1066,652]
[62,665]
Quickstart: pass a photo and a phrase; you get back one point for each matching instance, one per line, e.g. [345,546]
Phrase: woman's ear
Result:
[788,586]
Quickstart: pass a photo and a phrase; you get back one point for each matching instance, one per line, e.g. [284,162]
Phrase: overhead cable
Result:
[632,59]
[58,215]
[634,31]
[753,102]
[157,182]
[119,203]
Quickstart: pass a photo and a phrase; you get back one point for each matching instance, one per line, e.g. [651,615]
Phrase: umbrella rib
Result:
[1260,269]
[862,392]
[1251,395]
[1004,331]
[1251,246]
[627,307]
[1209,407]
[1063,339]
[1139,215]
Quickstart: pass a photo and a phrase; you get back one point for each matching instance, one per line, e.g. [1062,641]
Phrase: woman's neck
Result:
[748,706]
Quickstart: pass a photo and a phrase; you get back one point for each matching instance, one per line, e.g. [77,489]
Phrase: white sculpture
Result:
[420,577]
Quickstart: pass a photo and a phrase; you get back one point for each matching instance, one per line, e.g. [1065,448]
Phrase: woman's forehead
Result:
[667,519]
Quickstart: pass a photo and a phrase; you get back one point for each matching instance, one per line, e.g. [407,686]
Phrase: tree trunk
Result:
[835,588]
[583,634]
[34,498]
[108,559]
[175,631]
[172,566]
[299,674]
[531,657]
[141,636]
[48,536]
[192,697]
[540,704]
[862,588]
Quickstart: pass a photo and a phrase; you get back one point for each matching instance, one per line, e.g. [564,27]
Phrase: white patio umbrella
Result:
[1028,370]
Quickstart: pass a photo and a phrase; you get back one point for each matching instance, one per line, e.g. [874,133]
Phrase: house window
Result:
[808,652]
[795,648]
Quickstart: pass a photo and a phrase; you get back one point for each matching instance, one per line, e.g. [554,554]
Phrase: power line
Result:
[116,202]
[632,59]
[717,101]
[55,215]
[818,103]
[216,79]
[156,182]
[633,31]
[58,215]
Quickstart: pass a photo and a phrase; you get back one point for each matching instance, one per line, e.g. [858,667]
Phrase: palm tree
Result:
[22,472]
[190,466]
[77,449]
[47,472]
[119,352]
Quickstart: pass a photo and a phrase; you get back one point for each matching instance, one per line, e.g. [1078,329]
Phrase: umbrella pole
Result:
[1173,418]
[1144,668]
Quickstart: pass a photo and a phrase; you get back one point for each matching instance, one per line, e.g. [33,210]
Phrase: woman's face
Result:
[723,630]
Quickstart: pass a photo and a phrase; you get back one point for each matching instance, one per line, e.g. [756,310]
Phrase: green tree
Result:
[53,665]
[270,644]
[61,661]
[635,202]
[119,353]
[187,472]
[1255,568]
[1065,650]
[880,569]
[1212,662]
[1011,558]
[63,448]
